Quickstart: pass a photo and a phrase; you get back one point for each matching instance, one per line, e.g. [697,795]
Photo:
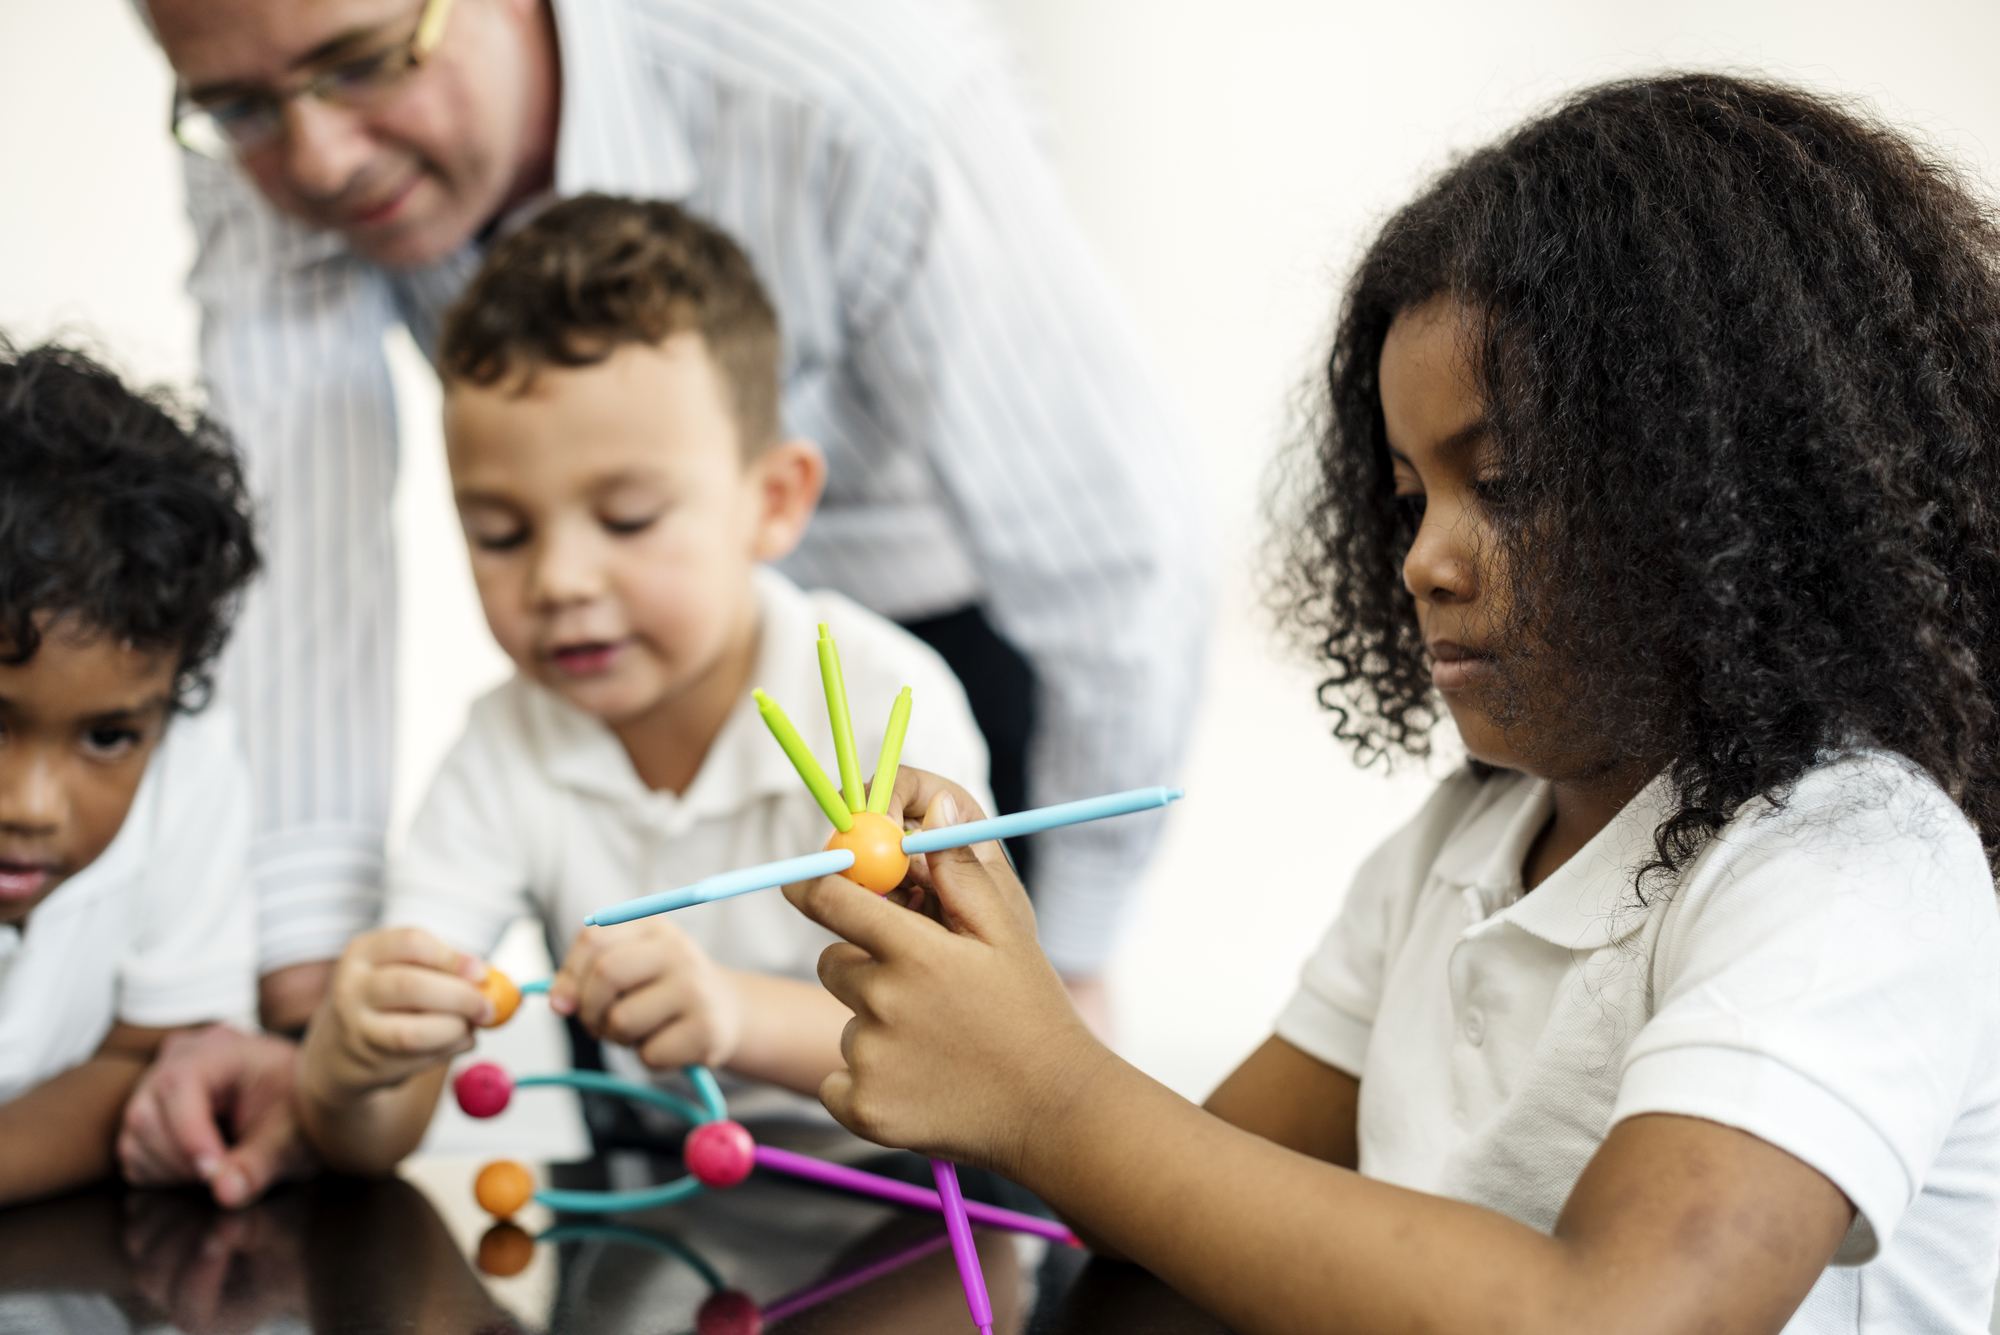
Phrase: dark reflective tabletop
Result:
[416,1254]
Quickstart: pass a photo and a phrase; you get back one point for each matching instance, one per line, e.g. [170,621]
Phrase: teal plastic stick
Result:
[601,1083]
[815,865]
[617,1202]
[1041,818]
[708,1092]
[808,868]
[540,985]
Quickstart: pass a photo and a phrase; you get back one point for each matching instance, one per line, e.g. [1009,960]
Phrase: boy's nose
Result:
[567,570]
[32,799]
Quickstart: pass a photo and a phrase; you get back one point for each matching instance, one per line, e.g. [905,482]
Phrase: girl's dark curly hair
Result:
[1741,355]
[116,515]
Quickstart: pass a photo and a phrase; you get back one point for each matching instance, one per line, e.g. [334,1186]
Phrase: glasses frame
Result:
[194,127]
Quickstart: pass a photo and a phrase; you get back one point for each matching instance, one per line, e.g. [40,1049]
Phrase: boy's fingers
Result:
[413,945]
[401,987]
[567,986]
[415,1033]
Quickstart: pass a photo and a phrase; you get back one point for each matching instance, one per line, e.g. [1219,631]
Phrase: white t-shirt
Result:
[1822,975]
[538,811]
[160,931]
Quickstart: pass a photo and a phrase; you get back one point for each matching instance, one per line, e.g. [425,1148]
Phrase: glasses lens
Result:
[198,130]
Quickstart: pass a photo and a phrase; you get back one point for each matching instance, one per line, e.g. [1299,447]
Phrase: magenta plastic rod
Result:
[902,1193]
[963,1249]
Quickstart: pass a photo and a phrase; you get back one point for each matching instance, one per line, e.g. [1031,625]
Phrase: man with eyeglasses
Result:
[1004,476]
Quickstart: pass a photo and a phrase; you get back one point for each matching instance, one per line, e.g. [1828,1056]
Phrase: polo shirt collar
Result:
[743,764]
[1589,901]
[619,132]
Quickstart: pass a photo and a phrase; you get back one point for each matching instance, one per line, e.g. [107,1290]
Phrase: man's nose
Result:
[324,148]
[32,797]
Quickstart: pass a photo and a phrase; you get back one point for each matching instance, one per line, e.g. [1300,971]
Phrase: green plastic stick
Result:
[802,760]
[892,754]
[836,714]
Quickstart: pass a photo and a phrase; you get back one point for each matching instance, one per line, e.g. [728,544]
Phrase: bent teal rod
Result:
[601,1083]
[814,865]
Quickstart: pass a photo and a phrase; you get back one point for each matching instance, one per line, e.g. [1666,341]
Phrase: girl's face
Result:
[1445,467]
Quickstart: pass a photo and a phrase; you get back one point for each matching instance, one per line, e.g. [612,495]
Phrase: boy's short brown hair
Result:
[596,272]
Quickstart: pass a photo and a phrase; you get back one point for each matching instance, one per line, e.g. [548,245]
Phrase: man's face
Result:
[78,722]
[410,177]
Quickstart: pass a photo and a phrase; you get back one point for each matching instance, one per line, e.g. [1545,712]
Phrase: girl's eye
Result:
[625,527]
[1410,509]
[1496,492]
[109,743]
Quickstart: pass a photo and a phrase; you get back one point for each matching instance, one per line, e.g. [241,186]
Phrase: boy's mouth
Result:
[22,878]
[1455,666]
[586,658]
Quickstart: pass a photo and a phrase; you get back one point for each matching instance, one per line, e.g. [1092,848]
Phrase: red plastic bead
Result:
[720,1154]
[483,1090]
[729,1312]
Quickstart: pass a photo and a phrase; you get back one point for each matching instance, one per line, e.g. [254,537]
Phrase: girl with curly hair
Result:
[1661,449]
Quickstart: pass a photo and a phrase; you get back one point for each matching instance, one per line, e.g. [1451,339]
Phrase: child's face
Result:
[78,722]
[614,526]
[1436,420]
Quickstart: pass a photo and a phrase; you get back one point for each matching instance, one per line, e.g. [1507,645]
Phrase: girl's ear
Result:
[788,479]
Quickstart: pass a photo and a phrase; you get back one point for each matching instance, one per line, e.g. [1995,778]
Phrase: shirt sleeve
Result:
[464,871]
[291,339]
[192,955]
[1826,986]
[985,332]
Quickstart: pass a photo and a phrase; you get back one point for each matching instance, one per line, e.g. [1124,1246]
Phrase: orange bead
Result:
[877,845]
[503,1187]
[499,989]
[505,1250]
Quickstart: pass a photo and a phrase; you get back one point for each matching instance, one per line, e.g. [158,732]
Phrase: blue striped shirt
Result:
[993,432]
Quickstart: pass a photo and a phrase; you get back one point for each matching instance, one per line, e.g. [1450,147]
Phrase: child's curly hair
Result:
[117,513]
[1741,356]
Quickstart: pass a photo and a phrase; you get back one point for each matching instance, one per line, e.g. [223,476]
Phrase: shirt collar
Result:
[619,133]
[743,764]
[1589,901]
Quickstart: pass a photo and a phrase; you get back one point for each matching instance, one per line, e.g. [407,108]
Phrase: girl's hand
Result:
[647,985]
[963,1041]
[401,1002]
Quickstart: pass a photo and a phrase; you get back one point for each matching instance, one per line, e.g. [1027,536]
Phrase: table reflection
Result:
[347,1255]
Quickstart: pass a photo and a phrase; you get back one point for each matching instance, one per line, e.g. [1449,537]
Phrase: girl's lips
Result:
[1455,667]
[586,660]
[24,880]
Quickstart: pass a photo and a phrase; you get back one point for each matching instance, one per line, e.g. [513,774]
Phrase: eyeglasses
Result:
[241,122]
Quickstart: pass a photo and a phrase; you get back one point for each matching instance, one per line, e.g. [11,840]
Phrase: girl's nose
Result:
[1441,565]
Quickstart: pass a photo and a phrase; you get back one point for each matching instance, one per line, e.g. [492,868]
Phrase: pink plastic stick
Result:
[902,1193]
[963,1249]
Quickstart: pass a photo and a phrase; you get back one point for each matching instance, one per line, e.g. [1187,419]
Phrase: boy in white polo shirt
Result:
[125,909]
[612,425]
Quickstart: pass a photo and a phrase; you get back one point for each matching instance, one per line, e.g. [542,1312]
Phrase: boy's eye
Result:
[625,525]
[108,742]
[502,540]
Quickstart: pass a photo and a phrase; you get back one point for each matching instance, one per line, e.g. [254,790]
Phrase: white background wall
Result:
[1227,159]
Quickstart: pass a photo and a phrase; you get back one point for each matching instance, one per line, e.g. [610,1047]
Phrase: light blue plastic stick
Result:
[538,986]
[922,841]
[808,868]
[1041,818]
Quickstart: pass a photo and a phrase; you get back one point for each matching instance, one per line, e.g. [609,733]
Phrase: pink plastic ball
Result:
[729,1313]
[483,1090]
[720,1154]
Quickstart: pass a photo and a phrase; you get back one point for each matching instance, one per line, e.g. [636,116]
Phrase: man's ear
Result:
[788,479]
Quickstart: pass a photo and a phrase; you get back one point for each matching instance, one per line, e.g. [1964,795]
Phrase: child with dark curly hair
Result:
[1661,449]
[125,906]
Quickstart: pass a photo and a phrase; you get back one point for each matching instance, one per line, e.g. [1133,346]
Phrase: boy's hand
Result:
[963,1039]
[647,985]
[401,1002]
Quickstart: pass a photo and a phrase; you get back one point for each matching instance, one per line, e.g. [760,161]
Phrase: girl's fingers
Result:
[843,972]
[851,913]
[974,901]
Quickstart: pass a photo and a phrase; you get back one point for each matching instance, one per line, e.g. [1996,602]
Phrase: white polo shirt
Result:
[538,811]
[1824,975]
[160,931]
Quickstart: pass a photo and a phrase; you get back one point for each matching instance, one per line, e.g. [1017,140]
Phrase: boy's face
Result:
[1435,417]
[78,722]
[614,527]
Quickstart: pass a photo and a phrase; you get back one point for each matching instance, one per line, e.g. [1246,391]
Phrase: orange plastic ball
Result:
[505,1250]
[499,989]
[877,845]
[503,1187]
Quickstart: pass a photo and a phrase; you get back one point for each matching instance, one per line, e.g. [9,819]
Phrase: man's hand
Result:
[216,1107]
[648,986]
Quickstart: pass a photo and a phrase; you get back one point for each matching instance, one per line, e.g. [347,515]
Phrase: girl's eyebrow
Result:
[1469,434]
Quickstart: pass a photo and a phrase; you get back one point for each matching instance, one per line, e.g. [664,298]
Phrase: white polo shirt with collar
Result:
[538,812]
[1824,975]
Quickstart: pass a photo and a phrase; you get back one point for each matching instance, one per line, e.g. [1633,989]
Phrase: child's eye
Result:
[109,743]
[1497,491]
[1410,508]
[625,527]
[505,541]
